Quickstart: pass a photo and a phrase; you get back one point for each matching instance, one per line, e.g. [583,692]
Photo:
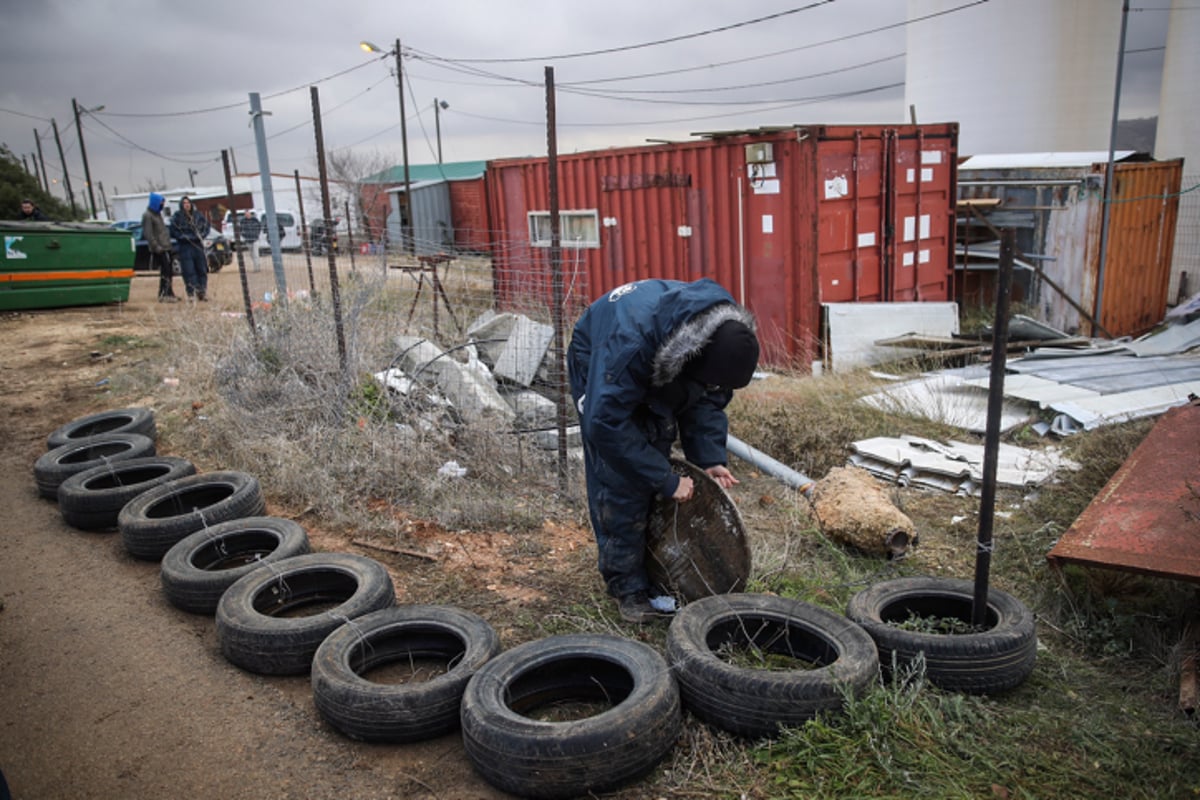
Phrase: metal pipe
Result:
[764,462]
[1098,309]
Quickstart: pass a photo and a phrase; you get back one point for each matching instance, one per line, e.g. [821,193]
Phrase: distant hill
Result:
[1137,134]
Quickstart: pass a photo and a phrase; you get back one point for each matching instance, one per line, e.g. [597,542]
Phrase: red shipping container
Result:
[784,218]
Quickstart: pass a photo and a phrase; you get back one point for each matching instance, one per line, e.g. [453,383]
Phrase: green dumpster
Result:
[54,264]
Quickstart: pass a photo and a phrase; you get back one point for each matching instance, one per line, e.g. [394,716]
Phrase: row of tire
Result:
[255,573]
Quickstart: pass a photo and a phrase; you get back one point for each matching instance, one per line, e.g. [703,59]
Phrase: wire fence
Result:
[1185,265]
[450,369]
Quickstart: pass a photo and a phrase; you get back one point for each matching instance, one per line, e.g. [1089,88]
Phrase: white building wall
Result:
[1018,75]
[1179,135]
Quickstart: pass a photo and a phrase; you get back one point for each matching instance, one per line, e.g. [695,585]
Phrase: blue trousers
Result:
[620,514]
[194,268]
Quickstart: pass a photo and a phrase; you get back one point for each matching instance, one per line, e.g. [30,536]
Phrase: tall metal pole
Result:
[1098,311]
[556,278]
[326,212]
[237,238]
[405,227]
[991,442]
[66,175]
[103,200]
[87,174]
[37,137]
[264,174]
[437,125]
[306,236]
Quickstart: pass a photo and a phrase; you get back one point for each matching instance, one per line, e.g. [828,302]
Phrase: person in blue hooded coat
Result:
[154,231]
[649,362]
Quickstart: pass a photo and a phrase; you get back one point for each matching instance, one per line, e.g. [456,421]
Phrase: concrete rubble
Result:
[490,379]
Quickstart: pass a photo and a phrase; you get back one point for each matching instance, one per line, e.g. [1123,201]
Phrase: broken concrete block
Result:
[524,351]
[475,397]
[490,332]
[532,409]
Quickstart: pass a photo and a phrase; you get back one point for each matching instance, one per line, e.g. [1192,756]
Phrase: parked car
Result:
[217,251]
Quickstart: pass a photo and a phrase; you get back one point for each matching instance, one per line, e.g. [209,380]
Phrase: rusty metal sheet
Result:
[1147,517]
[698,548]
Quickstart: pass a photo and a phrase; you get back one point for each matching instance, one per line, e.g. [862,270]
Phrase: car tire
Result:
[346,696]
[198,568]
[993,660]
[154,521]
[252,630]
[752,702]
[533,758]
[55,466]
[91,500]
[121,420]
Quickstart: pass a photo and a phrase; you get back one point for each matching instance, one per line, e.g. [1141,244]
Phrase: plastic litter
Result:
[451,469]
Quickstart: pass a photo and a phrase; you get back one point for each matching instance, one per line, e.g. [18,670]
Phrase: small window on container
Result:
[576,228]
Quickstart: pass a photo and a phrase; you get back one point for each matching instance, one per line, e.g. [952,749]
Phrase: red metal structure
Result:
[785,218]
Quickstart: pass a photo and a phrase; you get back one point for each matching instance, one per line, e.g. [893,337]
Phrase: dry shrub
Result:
[809,423]
[331,439]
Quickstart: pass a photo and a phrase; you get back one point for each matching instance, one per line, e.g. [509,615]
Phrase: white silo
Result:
[1018,75]
[1179,135]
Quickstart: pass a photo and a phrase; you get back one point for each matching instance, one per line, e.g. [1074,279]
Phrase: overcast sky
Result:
[174,77]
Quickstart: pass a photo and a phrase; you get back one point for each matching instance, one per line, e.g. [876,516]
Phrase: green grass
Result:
[1097,718]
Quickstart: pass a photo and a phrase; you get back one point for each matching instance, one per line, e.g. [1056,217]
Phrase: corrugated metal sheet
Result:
[1057,213]
[784,218]
[1147,517]
[432,223]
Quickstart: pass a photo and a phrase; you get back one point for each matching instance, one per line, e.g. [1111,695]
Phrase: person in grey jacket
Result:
[189,227]
[250,229]
[159,241]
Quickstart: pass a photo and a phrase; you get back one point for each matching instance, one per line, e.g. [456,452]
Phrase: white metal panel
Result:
[1079,159]
[853,328]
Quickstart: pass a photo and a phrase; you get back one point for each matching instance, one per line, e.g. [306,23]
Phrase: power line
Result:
[625,48]
[625,94]
[461,66]
[144,149]
[23,114]
[765,108]
[242,103]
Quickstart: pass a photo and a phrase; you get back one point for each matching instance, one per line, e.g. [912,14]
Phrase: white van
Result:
[289,228]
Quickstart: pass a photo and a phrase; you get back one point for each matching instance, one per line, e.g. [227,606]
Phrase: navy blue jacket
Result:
[626,361]
[189,228]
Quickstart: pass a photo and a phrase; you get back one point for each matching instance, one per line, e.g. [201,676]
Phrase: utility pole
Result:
[438,105]
[192,176]
[37,137]
[406,227]
[264,174]
[66,175]
[104,200]
[87,175]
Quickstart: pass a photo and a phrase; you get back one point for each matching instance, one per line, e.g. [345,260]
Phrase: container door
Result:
[920,180]
[850,238]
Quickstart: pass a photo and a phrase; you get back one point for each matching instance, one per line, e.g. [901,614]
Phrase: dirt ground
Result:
[106,690]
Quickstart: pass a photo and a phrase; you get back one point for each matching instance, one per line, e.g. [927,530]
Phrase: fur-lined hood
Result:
[689,339]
